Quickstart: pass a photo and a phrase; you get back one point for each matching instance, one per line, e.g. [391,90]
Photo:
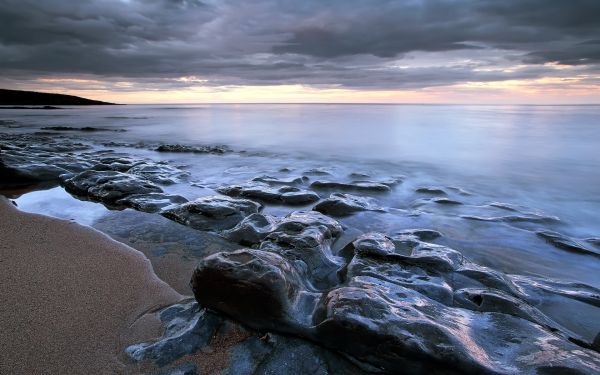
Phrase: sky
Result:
[356,51]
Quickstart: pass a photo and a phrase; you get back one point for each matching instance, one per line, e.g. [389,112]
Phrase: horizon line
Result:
[367,103]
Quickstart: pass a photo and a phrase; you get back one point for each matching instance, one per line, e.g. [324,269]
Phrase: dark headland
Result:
[20,98]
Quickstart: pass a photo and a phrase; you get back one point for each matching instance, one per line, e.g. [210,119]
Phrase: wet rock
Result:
[28,173]
[117,144]
[459,190]
[287,355]
[82,129]
[112,189]
[30,159]
[160,173]
[317,172]
[409,250]
[424,311]
[446,201]
[283,194]
[252,230]
[9,124]
[358,175]
[563,242]
[114,163]
[339,204]
[396,270]
[290,181]
[212,212]
[253,286]
[367,186]
[485,277]
[187,330]
[431,190]
[376,244]
[594,241]
[107,186]
[504,206]
[489,300]
[523,218]
[247,352]
[422,234]
[151,203]
[411,331]
[305,238]
[192,149]
[529,288]
[299,222]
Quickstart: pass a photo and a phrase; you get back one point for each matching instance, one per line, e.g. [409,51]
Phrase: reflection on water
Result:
[545,157]
[508,173]
[58,203]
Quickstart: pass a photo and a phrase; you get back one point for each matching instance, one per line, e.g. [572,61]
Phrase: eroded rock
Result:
[192,149]
[290,181]
[257,287]
[160,173]
[212,212]
[339,204]
[30,159]
[366,186]
[305,237]
[424,307]
[563,242]
[261,191]
[107,186]
[153,202]
[522,218]
[431,190]
[252,230]
[190,330]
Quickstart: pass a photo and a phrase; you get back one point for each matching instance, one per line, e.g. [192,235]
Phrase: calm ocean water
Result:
[544,157]
[536,161]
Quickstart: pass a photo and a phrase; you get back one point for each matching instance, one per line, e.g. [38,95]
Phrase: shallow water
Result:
[510,171]
[542,159]
[546,157]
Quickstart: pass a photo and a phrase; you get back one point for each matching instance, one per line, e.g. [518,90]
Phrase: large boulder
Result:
[416,335]
[256,287]
[418,309]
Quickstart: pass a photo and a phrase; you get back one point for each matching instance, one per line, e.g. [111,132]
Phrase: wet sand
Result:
[70,297]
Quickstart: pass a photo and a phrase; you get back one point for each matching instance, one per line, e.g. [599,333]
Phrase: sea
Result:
[506,169]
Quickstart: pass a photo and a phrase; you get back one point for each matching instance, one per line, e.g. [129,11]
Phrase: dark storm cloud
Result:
[355,44]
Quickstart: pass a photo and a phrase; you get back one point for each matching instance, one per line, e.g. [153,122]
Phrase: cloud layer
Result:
[356,44]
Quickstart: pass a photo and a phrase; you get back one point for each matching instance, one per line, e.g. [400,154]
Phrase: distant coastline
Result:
[27,98]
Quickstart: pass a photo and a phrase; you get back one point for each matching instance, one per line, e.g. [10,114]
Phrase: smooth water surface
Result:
[545,157]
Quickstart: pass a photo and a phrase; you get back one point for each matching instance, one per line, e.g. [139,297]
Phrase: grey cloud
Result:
[352,44]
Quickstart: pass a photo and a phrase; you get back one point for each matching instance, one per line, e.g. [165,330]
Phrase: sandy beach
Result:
[70,296]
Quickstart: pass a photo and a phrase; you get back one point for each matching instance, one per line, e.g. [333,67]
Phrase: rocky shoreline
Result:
[303,294]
